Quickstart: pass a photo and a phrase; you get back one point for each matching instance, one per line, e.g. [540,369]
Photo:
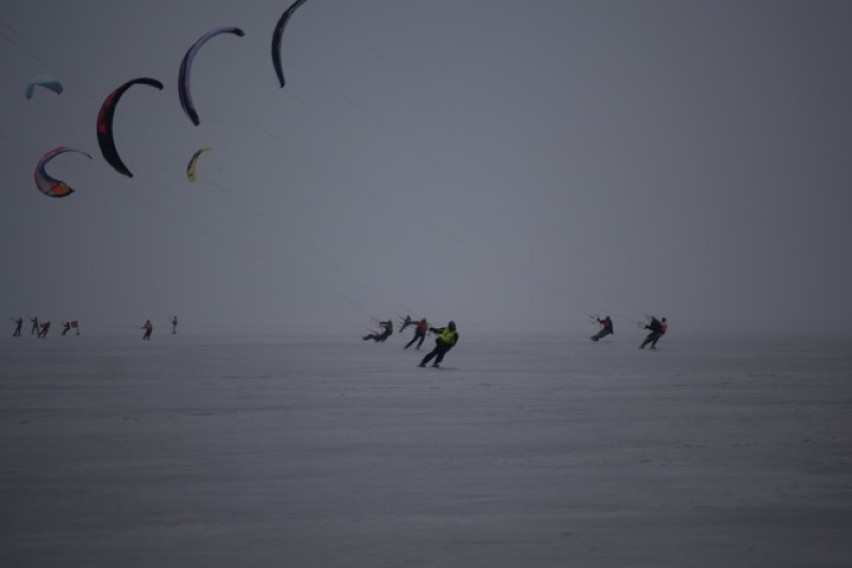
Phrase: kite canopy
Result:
[45,82]
[186,68]
[47,184]
[105,116]
[190,167]
[276,38]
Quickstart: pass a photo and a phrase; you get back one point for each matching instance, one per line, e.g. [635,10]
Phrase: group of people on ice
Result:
[41,329]
[446,337]
[657,327]
[149,328]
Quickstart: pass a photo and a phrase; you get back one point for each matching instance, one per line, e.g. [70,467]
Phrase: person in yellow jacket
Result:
[446,340]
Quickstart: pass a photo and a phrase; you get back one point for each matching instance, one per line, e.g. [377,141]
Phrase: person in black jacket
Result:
[606,328]
[658,329]
[387,331]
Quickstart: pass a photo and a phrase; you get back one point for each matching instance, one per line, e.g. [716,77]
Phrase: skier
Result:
[387,331]
[406,321]
[420,330]
[148,327]
[606,328]
[45,327]
[658,328]
[446,340]
[174,325]
[19,323]
[664,328]
[35,326]
[66,327]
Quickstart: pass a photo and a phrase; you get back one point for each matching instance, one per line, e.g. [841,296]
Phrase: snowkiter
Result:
[606,328]
[387,331]
[446,340]
[658,328]
[149,328]
[664,325]
[406,321]
[419,333]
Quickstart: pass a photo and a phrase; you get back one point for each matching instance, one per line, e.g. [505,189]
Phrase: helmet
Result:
[452,326]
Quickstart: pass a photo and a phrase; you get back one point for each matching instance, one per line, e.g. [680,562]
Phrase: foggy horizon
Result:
[506,168]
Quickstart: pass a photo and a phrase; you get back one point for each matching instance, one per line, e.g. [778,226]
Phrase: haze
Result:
[507,165]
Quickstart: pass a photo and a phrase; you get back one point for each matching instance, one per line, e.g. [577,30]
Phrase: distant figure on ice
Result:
[658,329]
[406,321]
[45,327]
[35,326]
[66,327]
[19,323]
[420,330]
[665,326]
[387,331]
[148,327]
[447,338]
[174,324]
[76,325]
[606,328]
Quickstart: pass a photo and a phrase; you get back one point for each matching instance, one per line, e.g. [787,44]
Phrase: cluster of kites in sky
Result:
[53,187]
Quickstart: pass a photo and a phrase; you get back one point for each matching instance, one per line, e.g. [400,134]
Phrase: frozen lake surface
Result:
[332,452]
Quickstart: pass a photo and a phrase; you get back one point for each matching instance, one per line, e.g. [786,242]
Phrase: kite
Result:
[105,116]
[50,185]
[190,167]
[186,67]
[276,38]
[47,83]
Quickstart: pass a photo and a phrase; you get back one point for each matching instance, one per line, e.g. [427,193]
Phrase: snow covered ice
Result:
[327,451]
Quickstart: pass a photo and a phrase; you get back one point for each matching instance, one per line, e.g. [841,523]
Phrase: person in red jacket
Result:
[420,330]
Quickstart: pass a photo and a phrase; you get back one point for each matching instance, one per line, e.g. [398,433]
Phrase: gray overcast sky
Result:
[488,161]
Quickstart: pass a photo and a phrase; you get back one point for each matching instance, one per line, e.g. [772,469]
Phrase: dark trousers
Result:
[651,338]
[437,353]
[421,335]
[376,336]
[601,334]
